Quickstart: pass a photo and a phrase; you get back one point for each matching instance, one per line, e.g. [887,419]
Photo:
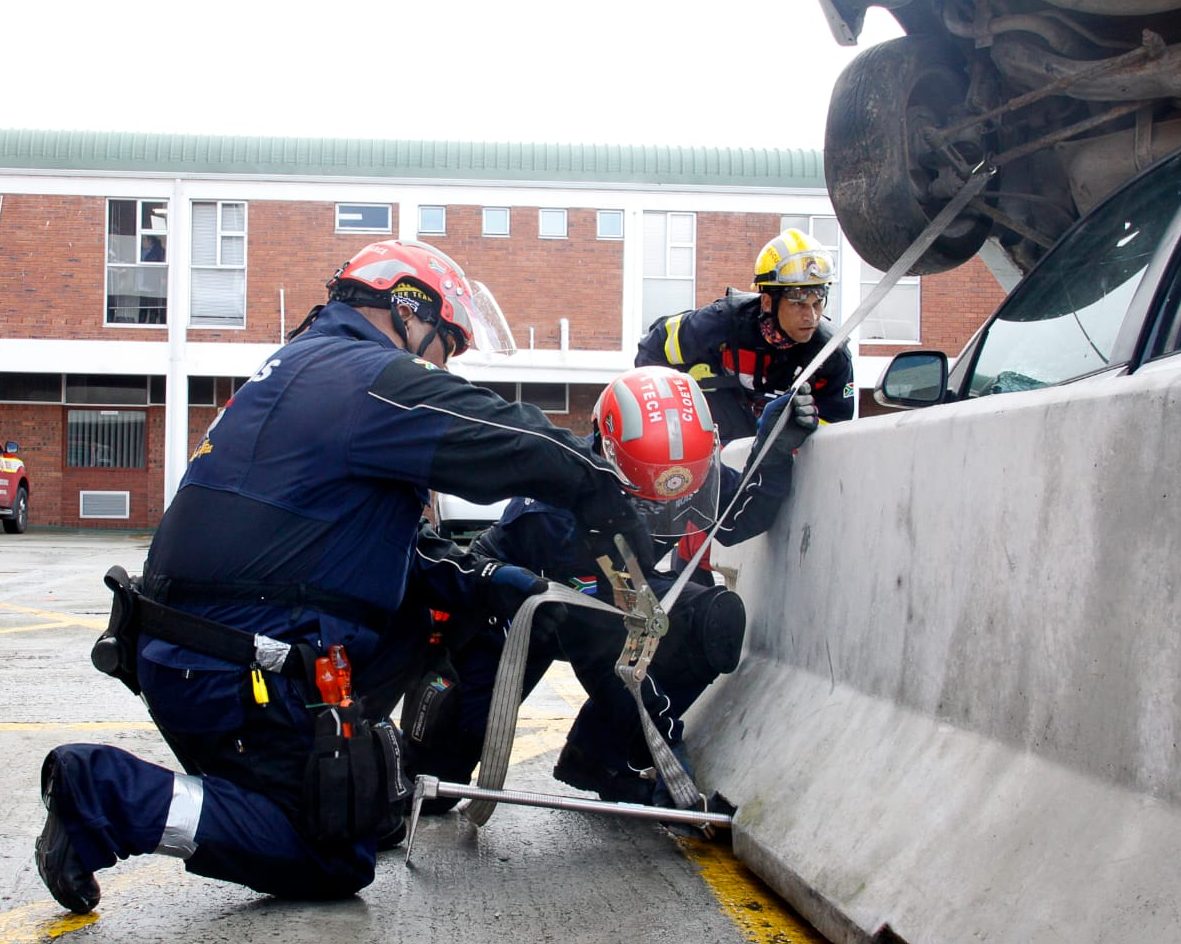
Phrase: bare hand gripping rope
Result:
[646,619]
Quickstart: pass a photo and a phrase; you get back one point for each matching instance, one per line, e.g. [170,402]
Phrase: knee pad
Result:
[719,623]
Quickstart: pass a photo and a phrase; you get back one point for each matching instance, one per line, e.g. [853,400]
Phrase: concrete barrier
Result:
[958,715]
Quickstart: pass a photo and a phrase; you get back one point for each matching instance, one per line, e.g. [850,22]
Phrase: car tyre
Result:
[878,168]
[20,513]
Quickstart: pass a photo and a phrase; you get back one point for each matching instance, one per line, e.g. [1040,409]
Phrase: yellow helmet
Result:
[793,258]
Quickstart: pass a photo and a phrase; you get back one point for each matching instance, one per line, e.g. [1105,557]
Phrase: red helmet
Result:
[414,274]
[657,432]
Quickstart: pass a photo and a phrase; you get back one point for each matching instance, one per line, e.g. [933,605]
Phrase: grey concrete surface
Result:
[958,713]
[529,875]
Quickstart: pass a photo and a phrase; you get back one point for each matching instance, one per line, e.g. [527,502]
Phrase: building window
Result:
[670,253]
[107,389]
[432,220]
[896,316]
[201,390]
[551,224]
[362,218]
[137,262]
[112,439]
[495,221]
[219,265]
[547,397]
[824,230]
[609,224]
[31,388]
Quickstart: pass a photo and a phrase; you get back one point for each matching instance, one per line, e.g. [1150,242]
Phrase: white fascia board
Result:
[84,357]
[560,194]
[568,367]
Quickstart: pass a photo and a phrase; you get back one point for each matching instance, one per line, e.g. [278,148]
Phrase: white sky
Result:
[718,73]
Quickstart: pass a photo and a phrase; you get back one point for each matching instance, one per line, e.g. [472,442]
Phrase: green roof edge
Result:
[126,152]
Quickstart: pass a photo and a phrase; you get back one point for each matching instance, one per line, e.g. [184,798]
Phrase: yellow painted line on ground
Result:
[57,619]
[761,914]
[46,920]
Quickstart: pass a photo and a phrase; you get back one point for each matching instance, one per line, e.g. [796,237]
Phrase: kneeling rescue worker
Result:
[265,634]
[654,426]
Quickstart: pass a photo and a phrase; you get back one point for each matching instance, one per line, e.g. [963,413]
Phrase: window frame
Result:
[442,230]
[221,233]
[508,228]
[140,424]
[389,218]
[647,318]
[865,287]
[599,217]
[541,215]
[149,266]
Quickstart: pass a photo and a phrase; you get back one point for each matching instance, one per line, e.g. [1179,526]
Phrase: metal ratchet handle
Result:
[646,622]
[647,605]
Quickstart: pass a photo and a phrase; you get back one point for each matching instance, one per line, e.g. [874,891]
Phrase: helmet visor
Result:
[808,267]
[480,318]
[676,517]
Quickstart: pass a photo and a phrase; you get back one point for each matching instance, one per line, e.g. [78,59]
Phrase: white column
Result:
[176,410]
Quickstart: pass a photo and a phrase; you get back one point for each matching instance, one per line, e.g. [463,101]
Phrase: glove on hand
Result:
[803,422]
[608,512]
[505,587]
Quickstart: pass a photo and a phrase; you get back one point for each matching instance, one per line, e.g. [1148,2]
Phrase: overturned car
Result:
[1067,99]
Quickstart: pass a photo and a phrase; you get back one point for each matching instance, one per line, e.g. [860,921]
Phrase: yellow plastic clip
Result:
[259,686]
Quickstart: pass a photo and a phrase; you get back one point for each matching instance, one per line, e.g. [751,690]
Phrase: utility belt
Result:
[353,781]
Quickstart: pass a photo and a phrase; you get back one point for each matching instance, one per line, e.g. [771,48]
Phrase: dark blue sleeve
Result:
[759,502]
[685,339]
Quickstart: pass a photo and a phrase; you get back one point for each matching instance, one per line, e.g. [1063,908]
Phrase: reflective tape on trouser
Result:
[184,813]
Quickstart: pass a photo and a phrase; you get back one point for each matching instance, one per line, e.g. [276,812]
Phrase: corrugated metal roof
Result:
[101,151]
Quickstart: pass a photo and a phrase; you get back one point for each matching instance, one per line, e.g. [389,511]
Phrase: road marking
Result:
[44,920]
[57,619]
[757,910]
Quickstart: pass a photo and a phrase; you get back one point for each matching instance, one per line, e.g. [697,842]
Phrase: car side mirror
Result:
[11,447]
[913,379]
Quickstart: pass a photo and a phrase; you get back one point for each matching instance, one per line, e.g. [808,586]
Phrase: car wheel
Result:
[20,513]
[878,167]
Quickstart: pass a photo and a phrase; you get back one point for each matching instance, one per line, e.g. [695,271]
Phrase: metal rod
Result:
[557,802]
[426,787]
[1151,49]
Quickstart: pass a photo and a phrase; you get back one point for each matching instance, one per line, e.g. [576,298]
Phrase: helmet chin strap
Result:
[426,342]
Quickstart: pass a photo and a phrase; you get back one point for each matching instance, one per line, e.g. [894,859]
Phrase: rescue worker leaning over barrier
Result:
[746,348]
[267,641]
[679,485]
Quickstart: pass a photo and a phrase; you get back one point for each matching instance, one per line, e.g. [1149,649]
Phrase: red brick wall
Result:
[538,281]
[291,246]
[727,246]
[51,269]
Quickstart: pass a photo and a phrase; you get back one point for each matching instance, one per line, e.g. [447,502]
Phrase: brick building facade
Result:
[107,385]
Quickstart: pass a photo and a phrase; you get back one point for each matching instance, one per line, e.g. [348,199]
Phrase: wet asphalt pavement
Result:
[528,875]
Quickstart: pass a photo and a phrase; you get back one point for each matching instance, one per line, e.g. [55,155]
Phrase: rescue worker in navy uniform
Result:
[679,484]
[297,522]
[746,348]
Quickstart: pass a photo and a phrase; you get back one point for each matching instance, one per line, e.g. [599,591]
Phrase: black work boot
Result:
[70,884]
[583,772]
